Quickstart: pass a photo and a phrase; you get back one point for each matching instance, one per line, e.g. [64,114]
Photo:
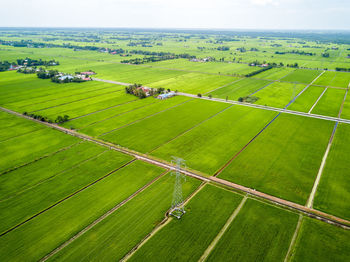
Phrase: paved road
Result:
[195,174]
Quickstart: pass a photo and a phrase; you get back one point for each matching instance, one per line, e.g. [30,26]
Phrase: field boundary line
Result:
[26,133]
[141,119]
[58,97]
[294,238]
[310,201]
[317,214]
[245,146]
[318,99]
[103,217]
[79,100]
[54,175]
[39,158]
[191,128]
[166,220]
[224,86]
[66,197]
[223,230]
[256,91]
[101,110]
[105,119]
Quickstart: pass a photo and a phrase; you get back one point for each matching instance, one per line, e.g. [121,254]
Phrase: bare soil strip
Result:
[65,198]
[328,218]
[222,231]
[101,218]
[294,238]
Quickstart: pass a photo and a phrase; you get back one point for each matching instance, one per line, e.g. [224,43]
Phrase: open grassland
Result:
[114,237]
[194,83]
[284,159]
[336,79]
[318,241]
[41,235]
[152,132]
[241,88]
[278,94]
[307,99]
[187,238]
[42,195]
[301,76]
[28,147]
[275,73]
[106,125]
[210,145]
[330,102]
[260,232]
[333,191]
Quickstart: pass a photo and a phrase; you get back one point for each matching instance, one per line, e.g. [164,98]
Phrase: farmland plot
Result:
[301,76]
[330,103]
[307,99]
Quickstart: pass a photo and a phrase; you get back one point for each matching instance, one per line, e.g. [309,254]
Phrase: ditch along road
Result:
[200,176]
[280,110]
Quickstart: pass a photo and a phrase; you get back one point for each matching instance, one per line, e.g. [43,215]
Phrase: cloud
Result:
[265,2]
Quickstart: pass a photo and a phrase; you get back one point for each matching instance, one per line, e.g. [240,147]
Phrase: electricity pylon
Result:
[177,209]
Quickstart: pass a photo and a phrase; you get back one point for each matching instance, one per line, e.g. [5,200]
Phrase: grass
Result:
[332,193]
[41,235]
[319,241]
[114,237]
[330,103]
[29,202]
[260,232]
[149,133]
[241,88]
[210,145]
[301,76]
[336,79]
[278,94]
[307,99]
[274,73]
[187,238]
[284,159]
[346,108]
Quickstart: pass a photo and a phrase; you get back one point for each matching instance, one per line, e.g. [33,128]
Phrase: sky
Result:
[216,14]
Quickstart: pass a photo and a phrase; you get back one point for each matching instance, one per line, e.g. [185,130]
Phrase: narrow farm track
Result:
[294,238]
[223,230]
[198,175]
[318,99]
[188,130]
[281,110]
[324,159]
[65,198]
[101,218]
[39,158]
[260,89]
[160,225]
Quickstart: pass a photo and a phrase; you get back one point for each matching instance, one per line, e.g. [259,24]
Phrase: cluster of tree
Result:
[141,43]
[248,99]
[295,52]
[325,54]
[313,46]
[241,49]
[342,69]
[258,71]
[43,74]
[253,49]
[61,119]
[5,65]
[38,117]
[33,62]
[295,65]
[59,80]
[136,90]
[223,48]
[26,70]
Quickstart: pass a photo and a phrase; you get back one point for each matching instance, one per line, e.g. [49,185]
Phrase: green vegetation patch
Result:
[307,99]
[330,103]
[260,232]
[301,76]
[284,159]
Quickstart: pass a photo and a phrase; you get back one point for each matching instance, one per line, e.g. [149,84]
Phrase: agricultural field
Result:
[108,135]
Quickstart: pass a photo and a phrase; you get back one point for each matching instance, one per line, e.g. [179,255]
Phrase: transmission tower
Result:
[177,209]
